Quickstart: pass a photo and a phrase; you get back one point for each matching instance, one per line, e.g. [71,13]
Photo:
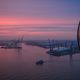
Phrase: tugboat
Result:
[40,62]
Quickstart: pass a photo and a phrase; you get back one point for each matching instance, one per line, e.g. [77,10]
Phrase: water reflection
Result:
[20,65]
[71,60]
[19,52]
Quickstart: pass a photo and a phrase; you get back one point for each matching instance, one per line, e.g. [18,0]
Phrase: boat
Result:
[60,51]
[17,44]
[40,62]
[10,47]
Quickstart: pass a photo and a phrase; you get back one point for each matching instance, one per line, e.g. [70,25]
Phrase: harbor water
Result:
[20,64]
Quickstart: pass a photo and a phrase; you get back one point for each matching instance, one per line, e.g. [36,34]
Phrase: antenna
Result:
[50,45]
[22,38]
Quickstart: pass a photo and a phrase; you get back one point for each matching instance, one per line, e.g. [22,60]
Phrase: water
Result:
[20,65]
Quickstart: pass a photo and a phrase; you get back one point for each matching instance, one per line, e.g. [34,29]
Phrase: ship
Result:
[14,44]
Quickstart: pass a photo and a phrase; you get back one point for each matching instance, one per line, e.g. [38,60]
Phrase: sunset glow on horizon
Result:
[34,21]
[46,18]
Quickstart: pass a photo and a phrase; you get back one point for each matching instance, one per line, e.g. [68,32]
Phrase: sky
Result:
[38,13]
[24,12]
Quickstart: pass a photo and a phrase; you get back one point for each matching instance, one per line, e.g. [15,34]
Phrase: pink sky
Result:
[6,20]
[39,13]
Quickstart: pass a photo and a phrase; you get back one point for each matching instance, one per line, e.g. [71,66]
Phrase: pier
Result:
[52,43]
[11,44]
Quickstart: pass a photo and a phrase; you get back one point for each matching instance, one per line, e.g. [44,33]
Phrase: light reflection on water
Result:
[20,65]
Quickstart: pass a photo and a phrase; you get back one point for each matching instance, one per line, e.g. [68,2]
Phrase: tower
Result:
[78,35]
